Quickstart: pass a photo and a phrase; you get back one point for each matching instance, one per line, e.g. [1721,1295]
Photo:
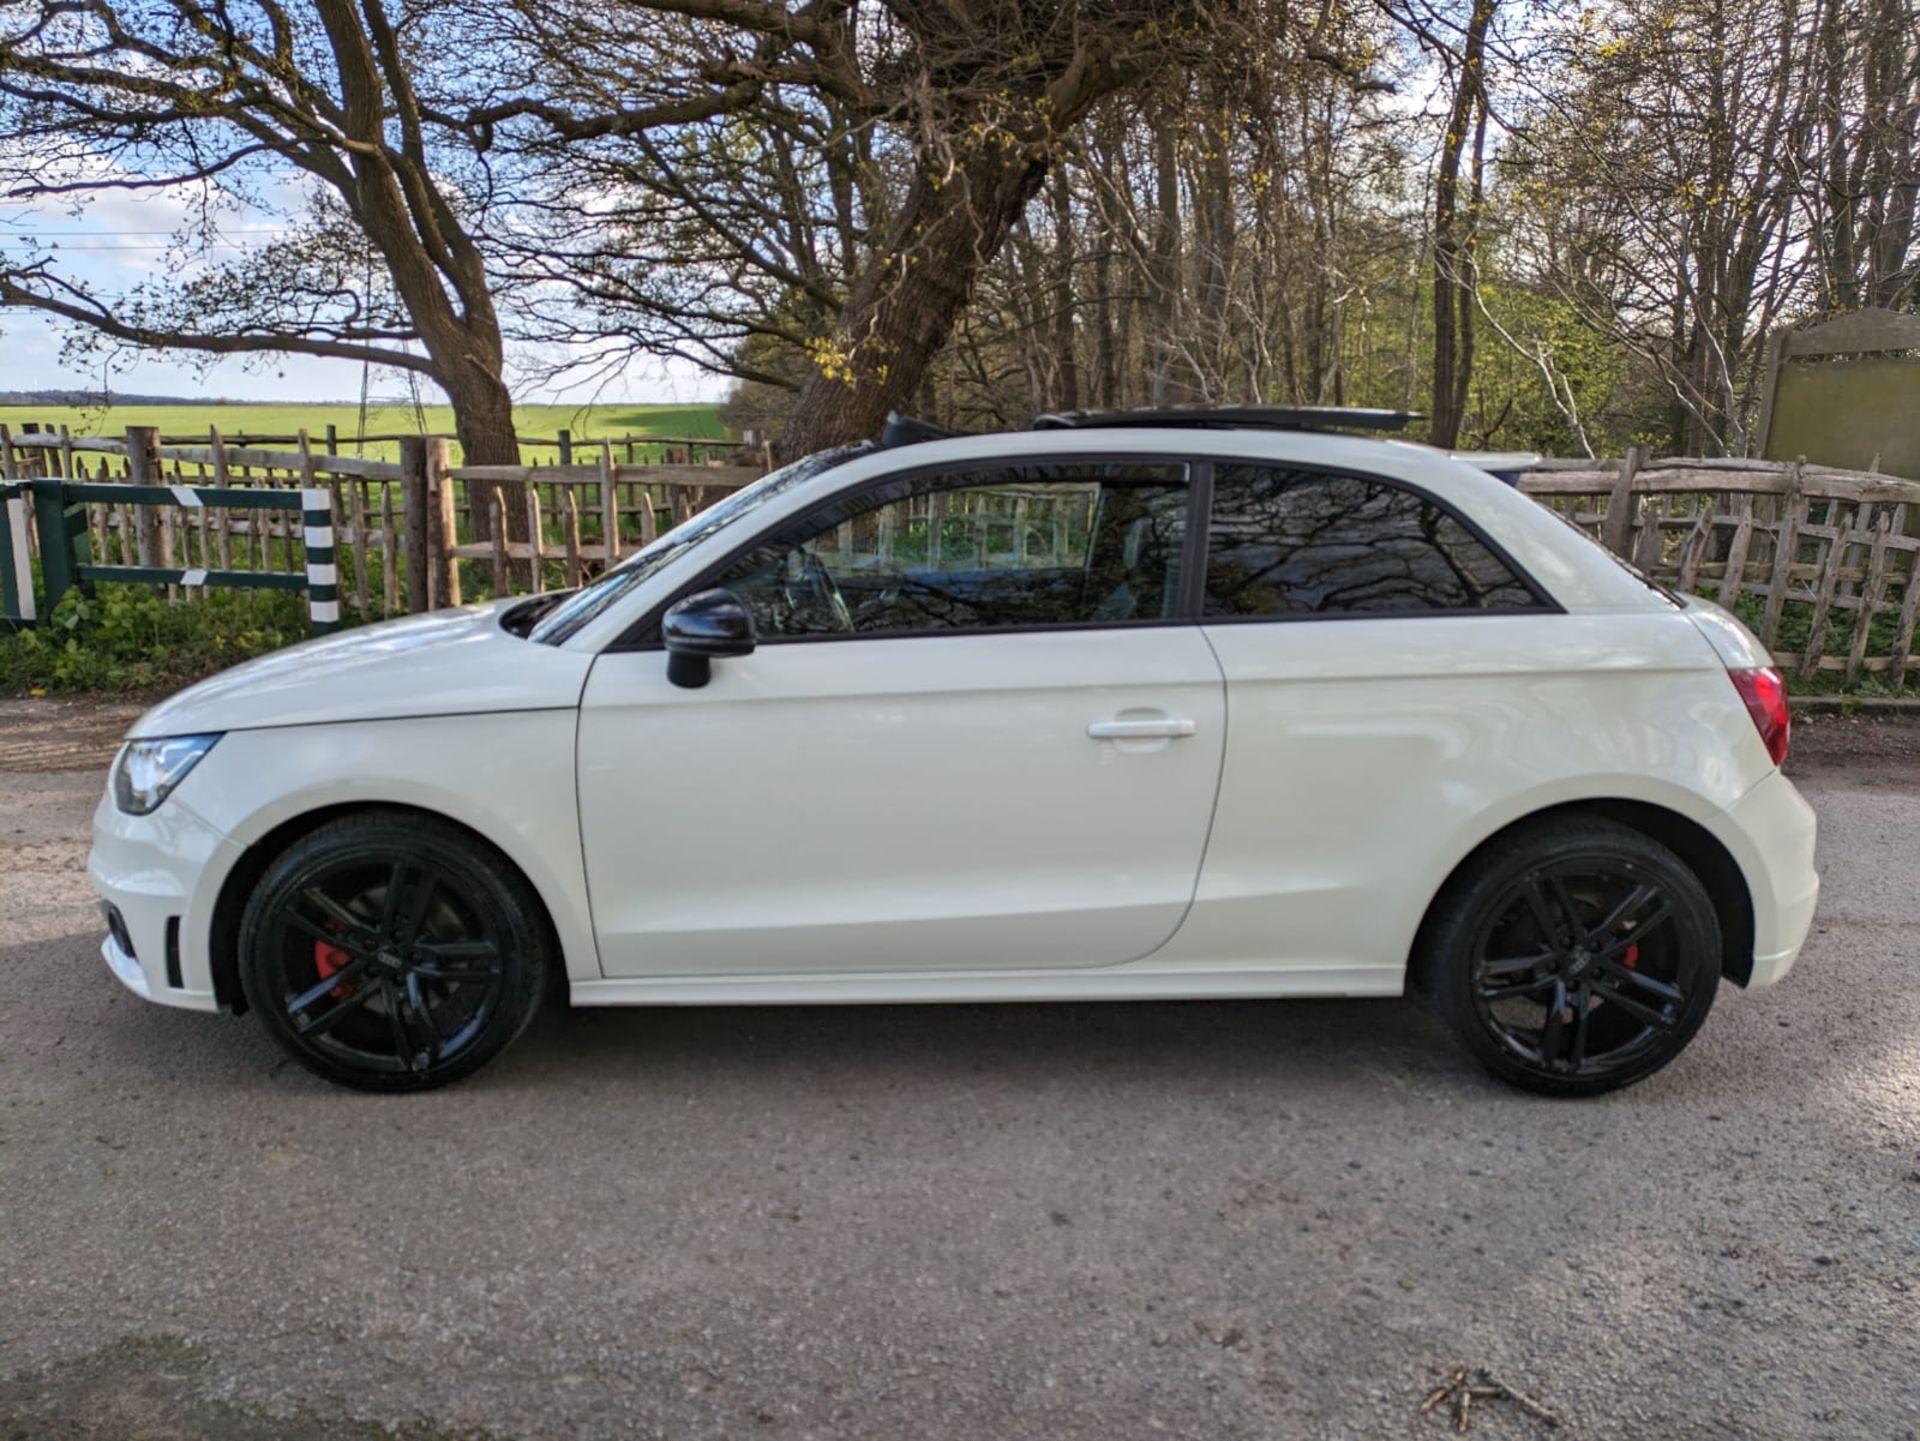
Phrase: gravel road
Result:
[1247,1220]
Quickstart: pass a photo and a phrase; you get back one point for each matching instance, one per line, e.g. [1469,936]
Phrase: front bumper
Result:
[1772,831]
[162,873]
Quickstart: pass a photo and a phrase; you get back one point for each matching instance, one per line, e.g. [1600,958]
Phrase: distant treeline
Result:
[94,400]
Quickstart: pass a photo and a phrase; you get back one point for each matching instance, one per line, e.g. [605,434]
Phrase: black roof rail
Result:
[1230,417]
[907,430]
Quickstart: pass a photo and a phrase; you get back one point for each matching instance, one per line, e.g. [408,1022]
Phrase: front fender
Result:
[509,777]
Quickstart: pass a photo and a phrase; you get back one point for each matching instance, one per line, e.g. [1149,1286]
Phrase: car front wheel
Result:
[392,952]
[1574,956]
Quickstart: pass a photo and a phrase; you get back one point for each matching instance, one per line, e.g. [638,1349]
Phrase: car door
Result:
[977,733]
[1391,675]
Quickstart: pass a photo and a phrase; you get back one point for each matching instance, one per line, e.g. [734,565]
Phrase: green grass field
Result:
[237,421]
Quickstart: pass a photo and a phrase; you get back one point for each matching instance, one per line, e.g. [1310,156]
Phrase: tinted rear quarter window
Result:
[1293,542]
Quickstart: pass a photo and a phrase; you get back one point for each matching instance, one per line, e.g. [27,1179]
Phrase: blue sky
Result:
[121,240]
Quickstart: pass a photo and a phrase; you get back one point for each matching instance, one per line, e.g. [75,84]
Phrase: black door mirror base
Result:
[689,671]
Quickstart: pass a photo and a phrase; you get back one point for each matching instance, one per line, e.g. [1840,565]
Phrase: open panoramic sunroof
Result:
[1235,417]
[908,430]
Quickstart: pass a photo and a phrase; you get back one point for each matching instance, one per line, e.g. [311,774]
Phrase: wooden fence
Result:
[559,448]
[1823,563]
[578,519]
[410,534]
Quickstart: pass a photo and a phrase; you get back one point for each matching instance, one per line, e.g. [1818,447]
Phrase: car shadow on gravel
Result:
[1296,1042]
[1294,1048]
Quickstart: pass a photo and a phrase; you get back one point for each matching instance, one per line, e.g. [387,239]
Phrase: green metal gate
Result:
[56,511]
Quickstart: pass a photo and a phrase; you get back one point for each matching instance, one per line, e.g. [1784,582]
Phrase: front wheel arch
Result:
[223,938]
[1694,844]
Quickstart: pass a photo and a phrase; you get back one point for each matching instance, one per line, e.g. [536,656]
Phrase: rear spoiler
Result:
[1506,464]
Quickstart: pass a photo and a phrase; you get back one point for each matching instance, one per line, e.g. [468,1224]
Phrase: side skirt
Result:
[908,988]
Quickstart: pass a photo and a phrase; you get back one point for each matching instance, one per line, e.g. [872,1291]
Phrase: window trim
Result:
[1193,580]
[1543,602]
[644,633]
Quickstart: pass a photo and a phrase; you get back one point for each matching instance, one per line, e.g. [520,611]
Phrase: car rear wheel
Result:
[1574,957]
[393,952]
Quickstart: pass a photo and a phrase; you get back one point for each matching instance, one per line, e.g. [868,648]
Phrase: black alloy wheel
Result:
[1574,958]
[393,952]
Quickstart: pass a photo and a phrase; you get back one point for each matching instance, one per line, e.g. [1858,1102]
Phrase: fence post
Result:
[323,574]
[609,505]
[333,440]
[443,525]
[536,554]
[1786,548]
[16,566]
[416,512]
[502,582]
[566,447]
[573,540]
[1618,532]
[143,466]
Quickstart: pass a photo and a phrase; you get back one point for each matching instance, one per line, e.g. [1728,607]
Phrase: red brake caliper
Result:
[328,959]
[1630,960]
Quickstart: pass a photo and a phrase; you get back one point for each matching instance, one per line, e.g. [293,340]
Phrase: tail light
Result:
[1766,696]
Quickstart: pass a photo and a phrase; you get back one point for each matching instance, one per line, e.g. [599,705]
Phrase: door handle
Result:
[1159,728]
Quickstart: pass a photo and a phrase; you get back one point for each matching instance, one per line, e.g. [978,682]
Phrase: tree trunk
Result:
[1889,193]
[1167,264]
[1842,261]
[439,273]
[1452,245]
[1066,368]
[1467,291]
[1216,227]
[904,304]
[483,424]
[1106,360]
[1114,284]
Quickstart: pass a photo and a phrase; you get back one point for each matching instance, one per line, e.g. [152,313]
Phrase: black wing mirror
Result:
[700,627]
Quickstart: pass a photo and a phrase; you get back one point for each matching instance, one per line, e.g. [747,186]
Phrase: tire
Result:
[437,949]
[1580,1009]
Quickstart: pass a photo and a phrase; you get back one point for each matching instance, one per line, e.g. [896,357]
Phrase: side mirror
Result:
[700,627]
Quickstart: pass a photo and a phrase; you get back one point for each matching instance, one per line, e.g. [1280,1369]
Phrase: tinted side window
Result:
[980,550]
[1302,542]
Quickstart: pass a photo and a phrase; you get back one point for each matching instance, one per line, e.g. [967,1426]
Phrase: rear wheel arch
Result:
[1693,843]
[223,937]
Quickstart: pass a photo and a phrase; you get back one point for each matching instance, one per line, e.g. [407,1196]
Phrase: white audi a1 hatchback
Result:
[1122,707]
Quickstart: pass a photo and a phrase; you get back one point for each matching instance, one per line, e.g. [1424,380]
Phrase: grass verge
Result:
[127,638]
[534,422]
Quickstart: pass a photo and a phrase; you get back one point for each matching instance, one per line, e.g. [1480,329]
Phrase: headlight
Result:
[147,771]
